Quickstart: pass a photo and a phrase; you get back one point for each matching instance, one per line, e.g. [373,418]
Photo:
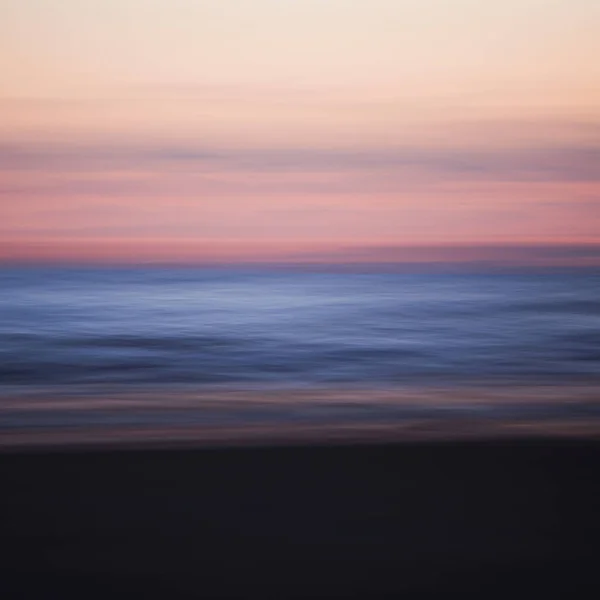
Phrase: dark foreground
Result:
[471,519]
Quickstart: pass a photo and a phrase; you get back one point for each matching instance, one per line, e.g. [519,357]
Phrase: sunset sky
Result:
[194,130]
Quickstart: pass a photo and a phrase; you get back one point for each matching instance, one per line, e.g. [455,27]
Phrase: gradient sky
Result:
[273,129]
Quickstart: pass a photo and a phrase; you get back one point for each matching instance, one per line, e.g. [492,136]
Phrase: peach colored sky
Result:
[268,129]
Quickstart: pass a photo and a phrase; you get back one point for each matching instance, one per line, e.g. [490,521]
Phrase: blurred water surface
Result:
[123,327]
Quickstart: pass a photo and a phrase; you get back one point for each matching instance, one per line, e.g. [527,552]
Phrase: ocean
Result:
[93,334]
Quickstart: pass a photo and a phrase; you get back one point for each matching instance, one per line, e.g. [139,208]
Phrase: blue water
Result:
[145,326]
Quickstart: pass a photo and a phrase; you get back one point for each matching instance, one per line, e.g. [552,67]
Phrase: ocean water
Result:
[99,331]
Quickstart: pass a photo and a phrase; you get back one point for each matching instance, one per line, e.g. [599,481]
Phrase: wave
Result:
[177,327]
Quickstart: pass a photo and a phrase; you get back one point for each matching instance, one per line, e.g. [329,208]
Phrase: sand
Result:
[481,518]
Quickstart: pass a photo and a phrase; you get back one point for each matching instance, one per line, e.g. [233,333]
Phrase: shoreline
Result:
[225,417]
[424,431]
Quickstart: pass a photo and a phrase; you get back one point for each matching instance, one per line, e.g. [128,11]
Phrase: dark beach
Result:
[466,518]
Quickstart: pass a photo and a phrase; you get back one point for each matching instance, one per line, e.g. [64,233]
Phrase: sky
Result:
[282,130]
